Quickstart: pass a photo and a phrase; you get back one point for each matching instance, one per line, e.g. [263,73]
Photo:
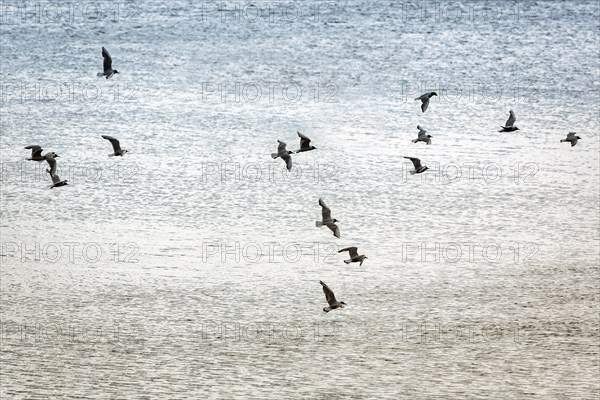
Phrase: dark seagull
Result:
[304,144]
[354,256]
[423,136]
[116,146]
[333,303]
[56,181]
[108,71]
[327,220]
[510,122]
[425,100]
[284,154]
[36,153]
[571,138]
[418,167]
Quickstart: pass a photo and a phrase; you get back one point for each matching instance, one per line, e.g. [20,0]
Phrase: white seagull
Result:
[116,146]
[425,100]
[571,138]
[423,136]
[509,125]
[354,256]
[284,154]
[108,71]
[304,144]
[418,167]
[327,220]
[330,297]
[56,181]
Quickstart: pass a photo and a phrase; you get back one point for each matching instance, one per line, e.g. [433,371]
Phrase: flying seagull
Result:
[333,303]
[304,144]
[571,138]
[108,71]
[284,154]
[423,136]
[116,146]
[418,167]
[509,125]
[354,257]
[327,220]
[425,100]
[56,181]
[36,153]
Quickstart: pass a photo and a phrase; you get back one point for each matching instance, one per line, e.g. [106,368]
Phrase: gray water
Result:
[190,267]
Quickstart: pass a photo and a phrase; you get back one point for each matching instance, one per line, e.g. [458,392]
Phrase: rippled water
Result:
[190,267]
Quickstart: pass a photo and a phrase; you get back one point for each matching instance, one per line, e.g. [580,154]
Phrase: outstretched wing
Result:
[52,164]
[421,131]
[416,162]
[334,228]
[287,158]
[115,143]
[329,296]
[107,60]
[281,148]
[352,250]
[36,151]
[570,135]
[424,104]
[325,210]
[511,118]
[304,141]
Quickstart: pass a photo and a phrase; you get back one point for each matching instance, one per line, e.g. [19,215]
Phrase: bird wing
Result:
[421,131]
[326,211]
[416,162]
[115,143]
[571,135]
[35,150]
[52,164]
[55,178]
[352,250]
[107,59]
[511,119]
[425,104]
[281,148]
[334,228]
[304,141]
[328,294]
[287,158]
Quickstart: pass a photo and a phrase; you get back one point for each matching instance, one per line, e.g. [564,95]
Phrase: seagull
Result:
[423,137]
[116,146]
[509,125]
[418,167]
[284,154]
[354,257]
[108,71]
[425,100]
[56,181]
[327,220]
[36,153]
[572,138]
[333,303]
[304,144]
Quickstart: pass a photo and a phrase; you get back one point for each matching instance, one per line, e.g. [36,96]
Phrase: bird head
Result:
[335,220]
[579,138]
[313,148]
[125,151]
[517,129]
[341,302]
[115,71]
[429,136]
[433,94]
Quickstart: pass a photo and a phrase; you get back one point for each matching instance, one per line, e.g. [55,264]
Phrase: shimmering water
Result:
[190,267]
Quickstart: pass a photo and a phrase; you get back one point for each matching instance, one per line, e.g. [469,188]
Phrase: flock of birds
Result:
[285,155]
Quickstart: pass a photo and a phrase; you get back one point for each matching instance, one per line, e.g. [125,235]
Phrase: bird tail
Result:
[413,172]
[100,74]
[327,309]
[347,261]
[111,155]
[274,155]
[318,224]
[415,140]
[563,140]
[417,98]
